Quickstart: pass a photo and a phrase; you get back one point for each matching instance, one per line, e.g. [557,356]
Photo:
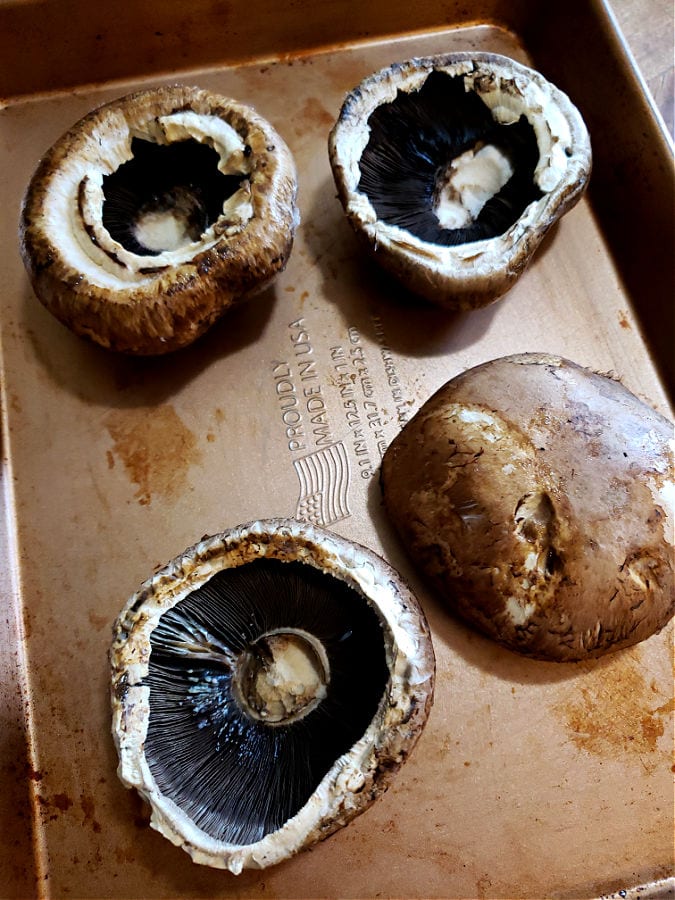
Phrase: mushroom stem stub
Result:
[468,183]
[283,676]
[286,676]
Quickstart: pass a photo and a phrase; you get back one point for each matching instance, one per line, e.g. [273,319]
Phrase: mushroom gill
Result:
[452,168]
[166,196]
[231,749]
[439,166]
[267,684]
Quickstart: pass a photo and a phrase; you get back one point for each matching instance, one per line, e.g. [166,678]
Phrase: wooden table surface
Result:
[648,26]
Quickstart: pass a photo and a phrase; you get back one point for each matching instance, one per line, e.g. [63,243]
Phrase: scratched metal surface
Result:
[531,779]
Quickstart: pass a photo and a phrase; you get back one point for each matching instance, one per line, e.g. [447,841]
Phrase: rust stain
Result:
[140,812]
[314,114]
[27,624]
[156,448]
[651,729]
[666,709]
[98,622]
[59,801]
[125,855]
[291,57]
[483,887]
[89,810]
[612,712]
[623,320]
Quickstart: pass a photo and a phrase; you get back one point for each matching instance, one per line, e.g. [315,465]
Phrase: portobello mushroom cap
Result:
[452,168]
[538,498]
[154,214]
[266,686]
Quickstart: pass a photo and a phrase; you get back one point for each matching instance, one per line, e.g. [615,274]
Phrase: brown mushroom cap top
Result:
[428,154]
[155,298]
[537,496]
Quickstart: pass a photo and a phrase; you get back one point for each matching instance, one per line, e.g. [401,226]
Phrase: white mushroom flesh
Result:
[472,179]
[291,681]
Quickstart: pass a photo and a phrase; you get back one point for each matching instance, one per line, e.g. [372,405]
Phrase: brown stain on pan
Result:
[125,855]
[613,712]
[314,115]
[88,807]
[155,447]
[98,622]
[52,806]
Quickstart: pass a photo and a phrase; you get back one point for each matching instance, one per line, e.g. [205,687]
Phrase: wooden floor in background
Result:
[649,27]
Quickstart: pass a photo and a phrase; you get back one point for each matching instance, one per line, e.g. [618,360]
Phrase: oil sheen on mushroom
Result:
[267,685]
[452,168]
[538,498]
[226,738]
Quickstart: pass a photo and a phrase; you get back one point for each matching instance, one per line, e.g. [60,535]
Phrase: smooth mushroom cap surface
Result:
[290,666]
[452,168]
[154,214]
[538,499]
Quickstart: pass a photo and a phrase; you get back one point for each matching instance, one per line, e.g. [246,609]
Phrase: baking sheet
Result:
[531,779]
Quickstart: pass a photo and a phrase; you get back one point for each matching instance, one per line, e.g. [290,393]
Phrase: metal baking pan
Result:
[531,779]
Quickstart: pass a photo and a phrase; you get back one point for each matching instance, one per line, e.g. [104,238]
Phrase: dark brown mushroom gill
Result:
[237,776]
[414,140]
[161,184]
[452,168]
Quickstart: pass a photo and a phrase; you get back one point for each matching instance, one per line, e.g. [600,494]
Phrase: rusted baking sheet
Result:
[531,779]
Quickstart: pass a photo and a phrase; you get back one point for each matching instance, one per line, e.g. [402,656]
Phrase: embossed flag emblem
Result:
[324,482]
